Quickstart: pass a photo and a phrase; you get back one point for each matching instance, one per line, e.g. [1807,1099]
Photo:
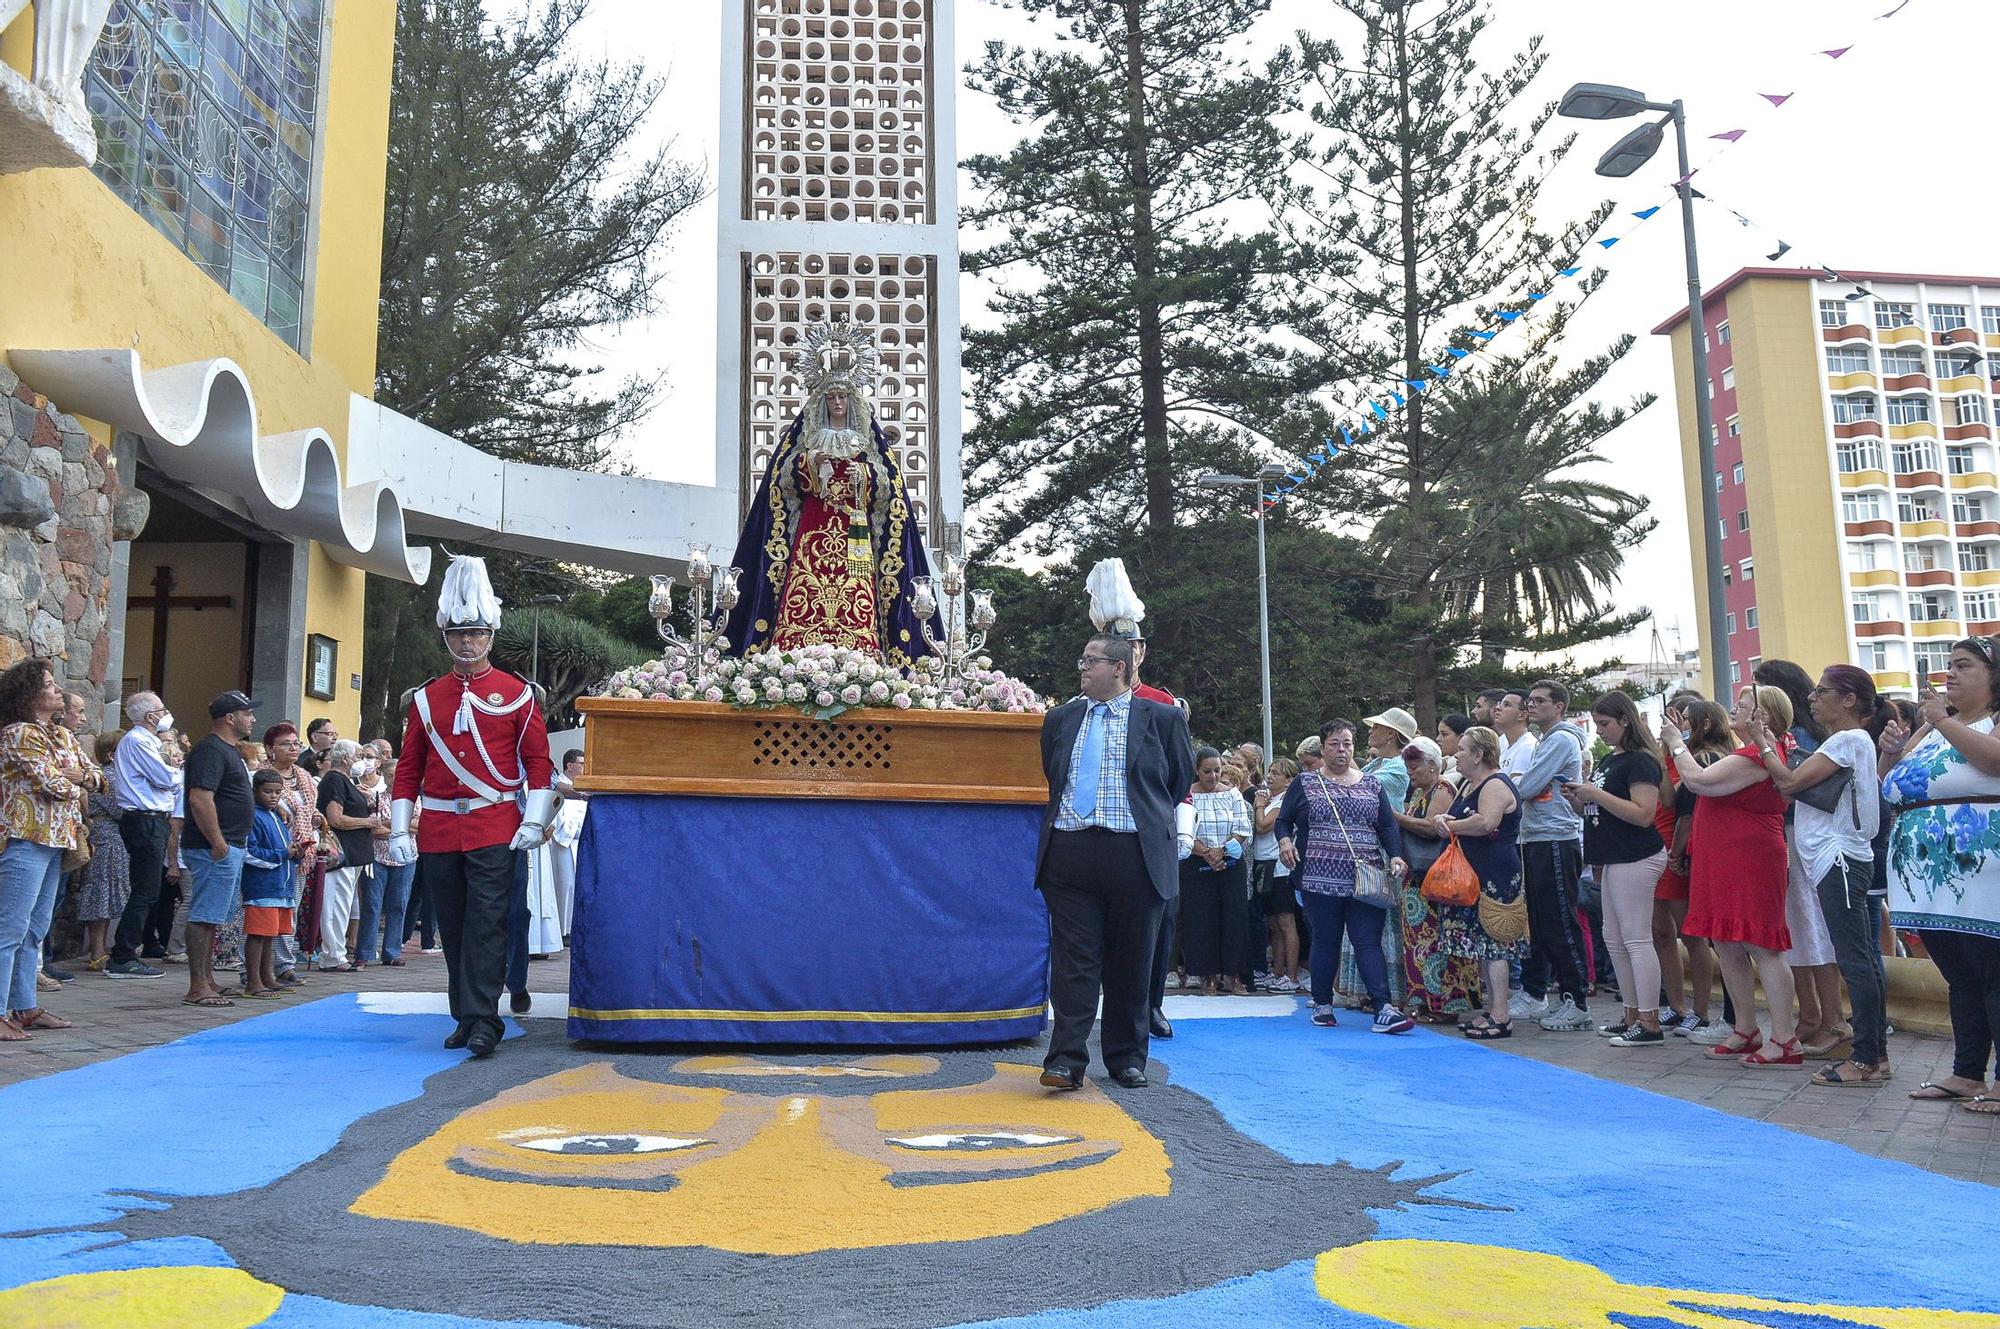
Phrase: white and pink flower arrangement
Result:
[823,682]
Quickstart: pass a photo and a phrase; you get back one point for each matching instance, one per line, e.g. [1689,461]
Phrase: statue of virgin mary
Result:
[829,548]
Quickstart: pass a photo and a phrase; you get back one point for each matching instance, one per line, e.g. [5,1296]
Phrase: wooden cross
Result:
[161,602]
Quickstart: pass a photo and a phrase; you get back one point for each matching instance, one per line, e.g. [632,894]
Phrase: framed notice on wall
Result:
[321,658]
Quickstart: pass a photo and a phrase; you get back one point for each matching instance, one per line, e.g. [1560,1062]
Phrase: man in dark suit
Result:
[1117,766]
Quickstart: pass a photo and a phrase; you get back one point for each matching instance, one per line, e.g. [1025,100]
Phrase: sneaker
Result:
[433,950]
[1615,1029]
[1565,1018]
[1521,1006]
[1712,1034]
[1283,984]
[1669,1017]
[1688,1025]
[132,969]
[1638,1036]
[1261,979]
[59,975]
[1175,983]
[1323,1015]
[1389,1020]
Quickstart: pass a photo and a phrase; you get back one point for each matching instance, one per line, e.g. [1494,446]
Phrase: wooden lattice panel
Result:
[839,111]
[891,295]
[810,747]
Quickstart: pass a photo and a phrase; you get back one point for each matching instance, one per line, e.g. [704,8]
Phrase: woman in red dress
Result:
[1738,874]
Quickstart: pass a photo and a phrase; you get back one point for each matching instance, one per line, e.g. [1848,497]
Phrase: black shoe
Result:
[132,969]
[1055,1077]
[520,1002]
[59,975]
[1130,1078]
[483,1042]
[458,1037]
[1157,1022]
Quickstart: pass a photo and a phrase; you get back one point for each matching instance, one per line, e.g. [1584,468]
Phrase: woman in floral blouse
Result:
[44,780]
[299,806]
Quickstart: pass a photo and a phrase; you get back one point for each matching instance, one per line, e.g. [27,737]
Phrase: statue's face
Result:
[836,410]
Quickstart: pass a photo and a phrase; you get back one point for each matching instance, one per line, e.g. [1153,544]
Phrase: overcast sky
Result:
[1880,162]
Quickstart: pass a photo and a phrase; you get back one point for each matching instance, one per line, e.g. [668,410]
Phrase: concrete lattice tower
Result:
[839,202]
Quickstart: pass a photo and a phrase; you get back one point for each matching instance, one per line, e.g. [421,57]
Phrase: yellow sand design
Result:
[186,1298]
[1446,1285]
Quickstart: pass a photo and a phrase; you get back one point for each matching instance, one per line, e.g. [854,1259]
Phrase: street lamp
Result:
[535,649]
[1605,101]
[1269,474]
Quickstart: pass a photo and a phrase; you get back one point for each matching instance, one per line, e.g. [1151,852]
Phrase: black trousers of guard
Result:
[469,890]
[1103,917]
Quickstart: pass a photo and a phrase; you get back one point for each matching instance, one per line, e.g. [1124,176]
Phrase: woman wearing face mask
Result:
[351,814]
[385,893]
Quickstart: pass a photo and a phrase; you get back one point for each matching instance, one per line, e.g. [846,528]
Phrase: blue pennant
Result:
[1538,295]
[1571,272]
[1416,384]
[1486,336]
[1365,427]
[1345,438]
[1642,216]
[1376,407]
[1612,241]
[1442,371]
[1397,395]
[1458,354]
[1509,315]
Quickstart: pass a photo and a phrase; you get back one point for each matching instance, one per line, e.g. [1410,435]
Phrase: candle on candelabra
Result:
[661,603]
[923,599]
[699,568]
[983,615]
[725,588]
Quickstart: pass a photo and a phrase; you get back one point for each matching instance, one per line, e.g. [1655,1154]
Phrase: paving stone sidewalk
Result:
[117,1016]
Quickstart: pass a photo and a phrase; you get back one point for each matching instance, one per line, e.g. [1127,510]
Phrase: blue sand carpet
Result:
[1498,1191]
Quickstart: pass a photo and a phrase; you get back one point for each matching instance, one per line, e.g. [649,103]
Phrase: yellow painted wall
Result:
[1788,472]
[95,274]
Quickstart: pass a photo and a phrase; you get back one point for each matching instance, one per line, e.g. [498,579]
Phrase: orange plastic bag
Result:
[1451,879]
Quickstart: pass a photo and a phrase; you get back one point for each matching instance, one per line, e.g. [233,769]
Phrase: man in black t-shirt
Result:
[219,809]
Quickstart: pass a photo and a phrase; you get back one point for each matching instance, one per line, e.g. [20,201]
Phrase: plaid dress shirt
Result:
[1114,805]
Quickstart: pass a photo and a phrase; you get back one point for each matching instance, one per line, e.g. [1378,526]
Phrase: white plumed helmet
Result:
[466,598]
[1114,606]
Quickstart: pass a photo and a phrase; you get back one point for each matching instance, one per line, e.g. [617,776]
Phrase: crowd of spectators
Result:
[1755,837]
[263,856]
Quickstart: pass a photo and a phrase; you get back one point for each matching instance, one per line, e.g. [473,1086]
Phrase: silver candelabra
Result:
[712,594]
[957,646]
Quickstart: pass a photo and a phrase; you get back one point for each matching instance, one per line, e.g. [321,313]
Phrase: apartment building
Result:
[1855,466]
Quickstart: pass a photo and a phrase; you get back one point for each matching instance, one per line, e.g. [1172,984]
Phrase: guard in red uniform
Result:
[473,740]
[1117,609]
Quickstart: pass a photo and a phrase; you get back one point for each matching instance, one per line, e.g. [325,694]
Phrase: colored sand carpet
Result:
[332,1165]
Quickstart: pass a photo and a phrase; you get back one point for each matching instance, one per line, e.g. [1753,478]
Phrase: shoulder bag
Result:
[1372,885]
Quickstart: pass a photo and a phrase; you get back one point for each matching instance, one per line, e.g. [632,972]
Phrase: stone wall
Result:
[61,507]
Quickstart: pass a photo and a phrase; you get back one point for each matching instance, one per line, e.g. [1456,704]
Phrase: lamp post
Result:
[1215,480]
[535,649]
[1604,101]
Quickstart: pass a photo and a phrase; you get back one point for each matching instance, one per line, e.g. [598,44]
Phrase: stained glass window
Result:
[206,114]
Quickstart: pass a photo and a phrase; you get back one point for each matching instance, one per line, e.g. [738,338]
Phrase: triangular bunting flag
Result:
[1646,213]
[1416,384]
[1571,272]
[1365,426]
[1376,407]
[1509,315]
[1457,353]
[1486,336]
[1612,241]
[1538,295]
[1776,98]
[1730,135]
[1689,176]
[1345,437]
[1783,249]
[1397,395]
[1442,371]
[1838,51]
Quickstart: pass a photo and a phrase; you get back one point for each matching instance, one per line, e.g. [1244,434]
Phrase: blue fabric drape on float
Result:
[758,603]
[807,921]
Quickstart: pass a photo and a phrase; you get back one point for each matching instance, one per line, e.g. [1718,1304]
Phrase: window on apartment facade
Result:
[1874,656]
[1735,673]
[1736,473]
[1957,364]
[1718,482]
[1975,558]
[1743,519]
[1735,427]
[1930,606]
[1921,558]
[1859,454]
[1732,624]
[1728,578]
[1862,607]
[1969,409]
[206,114]
[1862,556]
[1729,379]
[1912,508]
[1750,617]
[1968,509]
[1722,332]
[1930,657]
[1847,360]
[1947,318]
[1912,457]
[1722,527]
[1982,606]
[1833,314]
[1909,410]
[1895,314]
[1989,318]
[1861,507]
[1854,407]
[1749,569]
[1902,360]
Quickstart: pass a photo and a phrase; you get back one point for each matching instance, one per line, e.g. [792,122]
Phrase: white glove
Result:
[1184,829]
[535,821]
[402,845]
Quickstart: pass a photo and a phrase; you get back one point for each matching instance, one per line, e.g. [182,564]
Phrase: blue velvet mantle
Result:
[799,920]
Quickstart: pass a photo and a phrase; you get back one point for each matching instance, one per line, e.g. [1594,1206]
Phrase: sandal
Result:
[261,994]
[1722,1051]
[13,1033]
[1932,1092]
[1832,1077]
[38,1018]
[1487,1032]
[1982,1105]
[213,1003]
[1775,1053]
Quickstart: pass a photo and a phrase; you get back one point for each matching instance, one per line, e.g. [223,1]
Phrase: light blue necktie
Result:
[1089,760]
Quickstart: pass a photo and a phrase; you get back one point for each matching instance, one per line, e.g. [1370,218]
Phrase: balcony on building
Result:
[1933,628]
[1887,679]
[1907,335]
[1881,627]
[1955,337]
